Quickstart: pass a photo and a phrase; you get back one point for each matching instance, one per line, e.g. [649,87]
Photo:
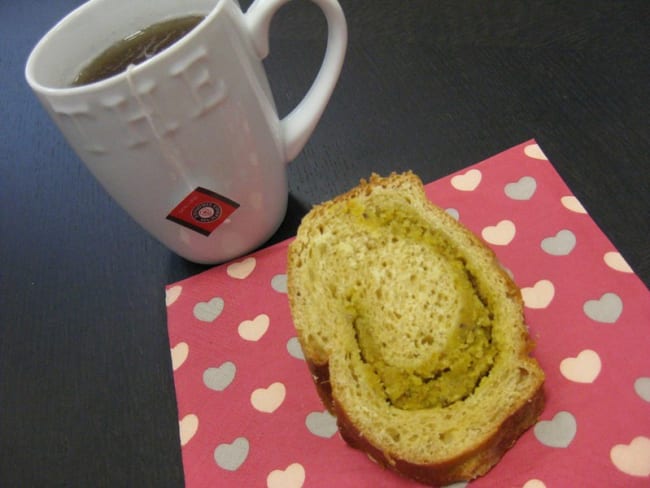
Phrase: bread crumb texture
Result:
[421,331]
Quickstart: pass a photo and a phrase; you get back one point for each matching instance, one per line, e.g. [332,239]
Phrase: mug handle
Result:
[298,125]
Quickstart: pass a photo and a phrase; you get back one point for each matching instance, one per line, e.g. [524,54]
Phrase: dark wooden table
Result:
[86,389]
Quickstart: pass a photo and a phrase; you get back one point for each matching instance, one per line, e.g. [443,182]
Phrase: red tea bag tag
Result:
[202,211]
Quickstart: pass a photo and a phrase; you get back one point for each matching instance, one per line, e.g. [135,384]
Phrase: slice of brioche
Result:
[414,334]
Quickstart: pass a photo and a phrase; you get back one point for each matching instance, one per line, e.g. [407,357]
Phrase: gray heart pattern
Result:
[453,213]
[524,189]
[210,322]
[279,283]
[218,379]
[558,432]
[294,349]
[561,244]
[231,456]
[322,424]
[642,388]
[607,309]
[208,311]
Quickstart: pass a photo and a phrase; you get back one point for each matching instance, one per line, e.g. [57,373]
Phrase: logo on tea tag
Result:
[203,211]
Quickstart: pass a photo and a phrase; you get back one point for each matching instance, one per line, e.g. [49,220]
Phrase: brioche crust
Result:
[414,426]
[465,466]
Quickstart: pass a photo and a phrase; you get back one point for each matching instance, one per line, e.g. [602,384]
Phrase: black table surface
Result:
[86,387]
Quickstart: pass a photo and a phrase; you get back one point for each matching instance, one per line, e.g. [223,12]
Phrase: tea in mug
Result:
[136,48]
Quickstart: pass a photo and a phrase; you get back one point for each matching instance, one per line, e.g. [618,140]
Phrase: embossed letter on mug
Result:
[188,141]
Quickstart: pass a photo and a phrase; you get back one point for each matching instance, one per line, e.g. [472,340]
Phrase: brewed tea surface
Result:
[136,48]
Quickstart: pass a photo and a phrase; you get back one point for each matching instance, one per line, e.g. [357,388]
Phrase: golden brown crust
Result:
[467,466]
[482,456]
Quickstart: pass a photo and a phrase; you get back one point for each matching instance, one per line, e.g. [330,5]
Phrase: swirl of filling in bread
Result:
[424,353]
[414,333]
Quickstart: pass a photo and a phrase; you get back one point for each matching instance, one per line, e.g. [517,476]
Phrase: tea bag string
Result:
[170,152]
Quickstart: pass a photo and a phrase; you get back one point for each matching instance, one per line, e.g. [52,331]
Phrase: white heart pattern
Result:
[253,330]
[524,189]
[179,354]
[607,309]
[242,269]
[572,203]
[535,152]
[187,427]
[584,368]
[172,293]
[468,181]
[210,310]
[632,458]
[500,234]
[539,295]
[534,483]
[210,317]
[231,456]
[558,432]
[268,400]
[614,260]
[508,271]
[292,477]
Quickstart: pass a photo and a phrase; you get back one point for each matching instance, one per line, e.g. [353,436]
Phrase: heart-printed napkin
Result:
[249,414]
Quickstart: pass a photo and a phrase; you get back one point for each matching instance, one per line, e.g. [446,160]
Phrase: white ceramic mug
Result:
[189,142]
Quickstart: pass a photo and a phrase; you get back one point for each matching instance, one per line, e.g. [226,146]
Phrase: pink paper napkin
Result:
[249,414]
